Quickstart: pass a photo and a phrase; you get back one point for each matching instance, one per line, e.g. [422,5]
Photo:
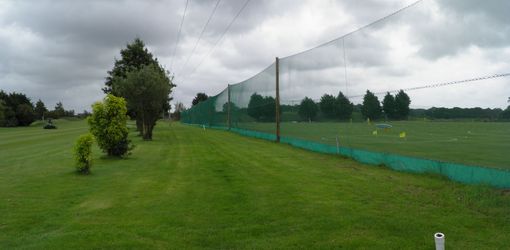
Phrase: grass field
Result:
[474,143]
[194,188]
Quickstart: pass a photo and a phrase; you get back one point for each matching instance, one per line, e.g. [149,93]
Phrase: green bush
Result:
[83,153]
[108,124]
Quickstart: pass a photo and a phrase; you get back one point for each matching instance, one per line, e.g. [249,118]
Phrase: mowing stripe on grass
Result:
[458,172]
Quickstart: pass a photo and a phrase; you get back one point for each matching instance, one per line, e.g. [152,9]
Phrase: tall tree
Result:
[269,109]
[18,109]
[7,115]
[145,90]
[328,105]
[308,109]
[25,114]
[59,110]
[255,106]
[262,108]
[505,114]
[3,108]
[233,107]
[344,107]
[40,109]
[402,102]
[133,57]
[389,106]
[200,97]
[4,96]
[14,99]
[371,107]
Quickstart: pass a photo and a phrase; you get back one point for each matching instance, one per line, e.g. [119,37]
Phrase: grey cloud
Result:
[483,24]
[61,50]
[74,42]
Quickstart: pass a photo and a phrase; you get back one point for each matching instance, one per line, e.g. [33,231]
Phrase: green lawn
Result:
[195,188]
[473,143]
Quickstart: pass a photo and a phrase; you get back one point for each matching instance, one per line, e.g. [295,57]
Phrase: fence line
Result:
[263,106]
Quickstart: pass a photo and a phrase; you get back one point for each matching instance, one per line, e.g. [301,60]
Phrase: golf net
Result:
[415,91]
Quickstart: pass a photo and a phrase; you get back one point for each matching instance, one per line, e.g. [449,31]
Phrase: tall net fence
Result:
[424,89]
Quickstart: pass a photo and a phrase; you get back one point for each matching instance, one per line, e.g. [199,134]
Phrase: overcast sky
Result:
[61,50]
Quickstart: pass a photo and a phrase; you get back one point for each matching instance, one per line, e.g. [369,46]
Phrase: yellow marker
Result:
[402,135]
[374,132]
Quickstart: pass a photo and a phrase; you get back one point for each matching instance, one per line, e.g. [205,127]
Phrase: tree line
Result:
[333,107]
[339,107]
[16,109]
[463,113]
[392,107]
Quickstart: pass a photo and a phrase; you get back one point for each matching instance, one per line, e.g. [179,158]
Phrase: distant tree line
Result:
[393,107]
[463,113]
[16,109]
[333,107]
[341,108]
[56,113]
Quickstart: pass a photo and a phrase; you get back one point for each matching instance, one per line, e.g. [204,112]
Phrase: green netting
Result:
[448,119]
[457,172]
[253,102]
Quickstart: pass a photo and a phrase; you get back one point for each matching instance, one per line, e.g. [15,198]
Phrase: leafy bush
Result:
[83,153]
[108,125]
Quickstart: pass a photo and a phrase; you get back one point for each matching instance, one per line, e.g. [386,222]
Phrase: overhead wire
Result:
[218,41]
[426,86]
[200,37]
[178,35]
[341,37]
[359,29]
[441,84]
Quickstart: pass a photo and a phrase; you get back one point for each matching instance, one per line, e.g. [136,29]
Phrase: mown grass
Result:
[473,143]
[195,188]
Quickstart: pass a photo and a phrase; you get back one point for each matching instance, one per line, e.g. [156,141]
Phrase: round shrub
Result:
[108,124]
[83,153]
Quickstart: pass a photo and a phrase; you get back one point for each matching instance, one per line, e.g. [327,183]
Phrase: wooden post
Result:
[229,117]
[277,99]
